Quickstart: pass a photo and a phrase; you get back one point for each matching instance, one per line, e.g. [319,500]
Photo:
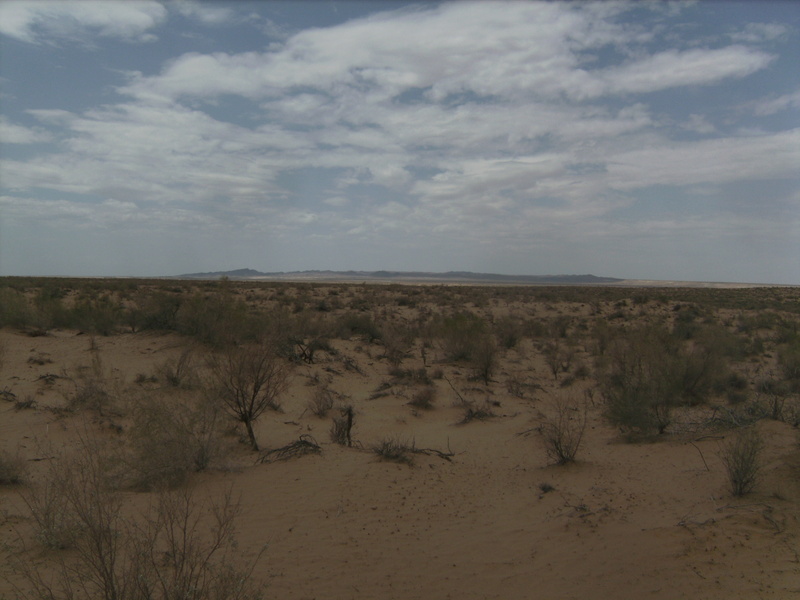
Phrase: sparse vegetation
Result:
[572,367]
[563,428]
[742,459]
[248,380]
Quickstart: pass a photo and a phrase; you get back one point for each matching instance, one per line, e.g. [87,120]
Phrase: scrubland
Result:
[185,439]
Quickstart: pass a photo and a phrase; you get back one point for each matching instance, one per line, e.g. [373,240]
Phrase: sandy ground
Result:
[626,521]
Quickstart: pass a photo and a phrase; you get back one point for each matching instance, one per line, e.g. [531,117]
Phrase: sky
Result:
[647,140]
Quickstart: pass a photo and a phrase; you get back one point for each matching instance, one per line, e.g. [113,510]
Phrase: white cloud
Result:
[513,50]
[673,68]
[760,32]
[11,133]
[43,20]
[203,12]
[698,124]
[770,106]
[722,160]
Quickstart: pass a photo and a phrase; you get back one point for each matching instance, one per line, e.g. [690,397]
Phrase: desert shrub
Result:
[563,428]
[170,439]
[157,310]
[397,342]
[217,319]
[410,376]
[789,362]
[460,335]
[647,372]
[558,357]
[181,547]
[322,401]
[742,459]
[483,358]
[98,315]
[476,411]
[342,426]
[358,324]
[14,308]
[248,380]
[423,398]
[181,371]
[639,387]
[12,469]
[91,387]
[508,331]
[395,450]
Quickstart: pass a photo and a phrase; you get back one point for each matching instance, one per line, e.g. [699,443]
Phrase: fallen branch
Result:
[305,445]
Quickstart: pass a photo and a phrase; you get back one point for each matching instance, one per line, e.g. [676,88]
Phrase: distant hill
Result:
[407,276]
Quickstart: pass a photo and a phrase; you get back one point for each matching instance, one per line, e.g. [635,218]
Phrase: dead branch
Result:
[305,445]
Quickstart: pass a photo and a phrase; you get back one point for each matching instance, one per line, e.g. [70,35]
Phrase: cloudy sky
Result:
[636,140]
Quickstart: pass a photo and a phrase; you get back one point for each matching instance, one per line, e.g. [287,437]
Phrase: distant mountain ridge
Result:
[409,276]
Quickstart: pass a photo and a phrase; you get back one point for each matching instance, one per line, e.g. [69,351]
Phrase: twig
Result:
[701,455]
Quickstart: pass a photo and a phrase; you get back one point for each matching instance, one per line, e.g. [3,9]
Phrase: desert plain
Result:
[423,441]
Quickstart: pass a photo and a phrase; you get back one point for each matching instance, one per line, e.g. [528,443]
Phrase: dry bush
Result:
[181,548]
[181,371]
[171,438]
[460,335]
[322,401]
[508,331]
[397,341]
[563,428]
[476,411]
[342,427]
[12,469]
[423,398]
[247,380]
[91,386]
[395,450]
[558,357]
[483,358]
[742,459]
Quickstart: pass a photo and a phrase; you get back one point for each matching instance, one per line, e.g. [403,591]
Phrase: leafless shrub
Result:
[169,553]
[484,358]
[342,426]
[25,404]
[423,398]
[12,469]
[742,459]
[181,371]
[395,450]
[410,376]
[563,429]
[91,387]
[322,401]
[558,357]
[172,438]
[476,412]
[248,380]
